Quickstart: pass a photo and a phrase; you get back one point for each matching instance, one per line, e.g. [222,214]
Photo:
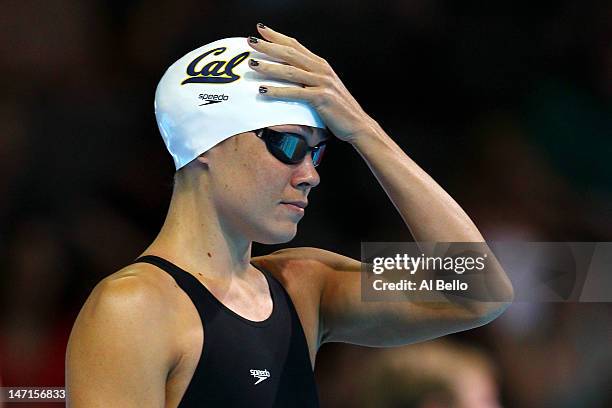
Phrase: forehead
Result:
[313,135]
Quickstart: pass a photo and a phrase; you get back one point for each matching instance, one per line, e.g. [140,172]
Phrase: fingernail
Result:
[260,25]
[263,89]
[253,40]
[253,63]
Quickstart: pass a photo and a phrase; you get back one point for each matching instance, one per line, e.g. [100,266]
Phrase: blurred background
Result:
[507,104]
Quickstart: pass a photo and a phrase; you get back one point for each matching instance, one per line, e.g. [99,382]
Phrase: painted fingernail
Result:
[253,63]
[260,25]
[253,40]
[263,89]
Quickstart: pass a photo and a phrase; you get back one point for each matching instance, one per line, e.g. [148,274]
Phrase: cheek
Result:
[265,172]
[253,179]
[267,184]
[259,181]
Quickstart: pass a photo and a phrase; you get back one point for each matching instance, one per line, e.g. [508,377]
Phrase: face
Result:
[252,189]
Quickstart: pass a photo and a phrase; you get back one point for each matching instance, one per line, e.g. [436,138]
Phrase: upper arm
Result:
[345,317]
[118,353]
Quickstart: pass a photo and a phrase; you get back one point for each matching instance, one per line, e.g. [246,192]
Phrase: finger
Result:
[311,95]
[279,38]
[286,72]
[285,53]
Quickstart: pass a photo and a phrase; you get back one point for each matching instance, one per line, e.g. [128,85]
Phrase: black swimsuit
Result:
[246,363]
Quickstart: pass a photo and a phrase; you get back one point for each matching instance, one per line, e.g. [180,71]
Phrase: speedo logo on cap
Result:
[212,98]
[214,72]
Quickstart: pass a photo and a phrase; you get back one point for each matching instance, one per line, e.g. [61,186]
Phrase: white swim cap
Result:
[211,94]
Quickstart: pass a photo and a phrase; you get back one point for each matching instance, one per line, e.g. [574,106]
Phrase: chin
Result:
[278,236]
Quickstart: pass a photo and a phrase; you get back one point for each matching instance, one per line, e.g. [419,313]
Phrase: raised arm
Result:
[428,211]
[120,352]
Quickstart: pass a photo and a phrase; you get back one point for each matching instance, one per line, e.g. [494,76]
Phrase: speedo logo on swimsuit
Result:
[214,72]
[212,98]
[260,375]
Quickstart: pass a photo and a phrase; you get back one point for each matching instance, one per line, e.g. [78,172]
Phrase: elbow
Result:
[492,311]
[486,311]
[496,312]
[494,308]
[483,312]
[505,300]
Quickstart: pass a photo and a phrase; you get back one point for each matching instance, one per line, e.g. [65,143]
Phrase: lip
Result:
[300,204]
[297,207]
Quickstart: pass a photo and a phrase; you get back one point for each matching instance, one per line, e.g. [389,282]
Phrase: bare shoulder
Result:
[126,305]
[139,298]
[143,271]
[122,341]
[139,289]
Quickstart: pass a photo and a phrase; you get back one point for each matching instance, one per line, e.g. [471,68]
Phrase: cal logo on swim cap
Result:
[214,72]
[210,94]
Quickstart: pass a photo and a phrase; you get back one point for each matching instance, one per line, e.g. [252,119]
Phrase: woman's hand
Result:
[321,87]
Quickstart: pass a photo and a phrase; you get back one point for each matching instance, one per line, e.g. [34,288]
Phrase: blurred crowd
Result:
[508,105]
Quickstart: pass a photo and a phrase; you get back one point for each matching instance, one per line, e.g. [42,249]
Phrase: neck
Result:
[195,238]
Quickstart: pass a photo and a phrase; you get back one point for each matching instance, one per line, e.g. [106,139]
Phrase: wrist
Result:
[369,130]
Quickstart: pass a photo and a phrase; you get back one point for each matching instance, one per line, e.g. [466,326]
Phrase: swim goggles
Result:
[290,148]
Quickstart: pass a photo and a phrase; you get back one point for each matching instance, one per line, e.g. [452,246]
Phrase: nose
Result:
[305,175]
